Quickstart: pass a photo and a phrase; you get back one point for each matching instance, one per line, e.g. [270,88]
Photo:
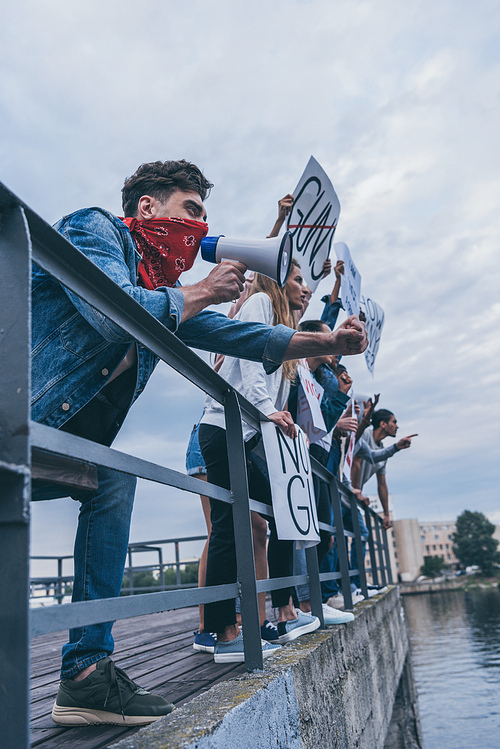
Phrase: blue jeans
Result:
[103,526]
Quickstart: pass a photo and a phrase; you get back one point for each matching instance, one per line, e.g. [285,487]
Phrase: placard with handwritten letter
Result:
[374,324]
[292,487]
[312,221]
[309,416]
[350,281]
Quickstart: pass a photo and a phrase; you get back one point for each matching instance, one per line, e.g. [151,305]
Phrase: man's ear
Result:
[146,208]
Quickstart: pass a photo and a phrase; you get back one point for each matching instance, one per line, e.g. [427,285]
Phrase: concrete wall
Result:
[334,688]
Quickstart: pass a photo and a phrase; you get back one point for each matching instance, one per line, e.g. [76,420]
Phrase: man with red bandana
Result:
[87,372]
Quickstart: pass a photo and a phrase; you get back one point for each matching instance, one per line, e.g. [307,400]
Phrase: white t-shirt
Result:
[369,469]
[267,392]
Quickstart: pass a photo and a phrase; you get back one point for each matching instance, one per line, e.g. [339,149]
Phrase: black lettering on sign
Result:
[283,441]
[299,495]
[295,508]
[314,228]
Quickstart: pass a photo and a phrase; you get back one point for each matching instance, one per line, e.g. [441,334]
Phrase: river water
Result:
[455,641]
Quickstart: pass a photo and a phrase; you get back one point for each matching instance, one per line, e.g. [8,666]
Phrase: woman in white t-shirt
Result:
[269,304]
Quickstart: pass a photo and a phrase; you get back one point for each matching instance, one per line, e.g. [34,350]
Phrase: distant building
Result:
[437,541]
[411,540]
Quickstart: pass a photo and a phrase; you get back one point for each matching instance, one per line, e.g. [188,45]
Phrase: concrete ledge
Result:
[334,687]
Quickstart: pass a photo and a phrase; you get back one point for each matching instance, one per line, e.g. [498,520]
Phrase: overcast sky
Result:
[399,102]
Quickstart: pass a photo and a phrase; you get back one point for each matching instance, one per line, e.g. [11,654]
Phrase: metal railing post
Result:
[379,552]
[243,533]
[360,557]
[162,568]
[341,544]
[15,265]
[371,546]
[314,583]
[385,546]
[130,573]
[177,564]
[59,592]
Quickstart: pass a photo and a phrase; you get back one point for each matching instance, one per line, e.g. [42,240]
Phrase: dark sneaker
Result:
[204,642]
[296,627]
[107,696]
[269,632]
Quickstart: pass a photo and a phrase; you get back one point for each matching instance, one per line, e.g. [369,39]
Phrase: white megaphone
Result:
[271,257]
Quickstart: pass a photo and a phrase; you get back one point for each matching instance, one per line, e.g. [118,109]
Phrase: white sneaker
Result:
[357,597]
[334,616]
[336,601]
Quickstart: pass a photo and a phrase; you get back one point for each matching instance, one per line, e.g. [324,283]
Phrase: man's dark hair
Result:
[160,179]
[312,326]
[381,415]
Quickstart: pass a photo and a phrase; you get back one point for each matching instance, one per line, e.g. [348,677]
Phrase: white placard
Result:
[292,487]
[374,324]
[312,221]
[309,416]
[349,453]
[350,284]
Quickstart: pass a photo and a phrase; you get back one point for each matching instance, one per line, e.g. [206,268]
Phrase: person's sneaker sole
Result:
[203,648]
[82,716]
[298,631]
[239,657]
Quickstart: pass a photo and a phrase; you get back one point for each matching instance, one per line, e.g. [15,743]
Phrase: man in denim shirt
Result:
[87,372]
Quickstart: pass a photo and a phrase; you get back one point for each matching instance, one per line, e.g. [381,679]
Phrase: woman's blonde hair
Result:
[283,315]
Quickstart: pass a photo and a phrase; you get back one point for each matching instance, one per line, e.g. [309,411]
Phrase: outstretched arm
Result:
[348,339]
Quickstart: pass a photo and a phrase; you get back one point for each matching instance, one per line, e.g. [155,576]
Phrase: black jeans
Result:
[221,561]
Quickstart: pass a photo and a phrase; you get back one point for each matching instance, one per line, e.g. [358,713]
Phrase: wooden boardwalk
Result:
[155,650]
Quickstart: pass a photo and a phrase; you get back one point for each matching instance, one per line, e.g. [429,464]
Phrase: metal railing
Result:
[24,237]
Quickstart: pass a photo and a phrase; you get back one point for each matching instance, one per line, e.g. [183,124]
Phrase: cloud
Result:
[400,104]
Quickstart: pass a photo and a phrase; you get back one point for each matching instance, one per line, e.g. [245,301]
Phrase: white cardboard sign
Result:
[350,284]
[374,324]
[312,221]
[292,487]
[309,416]
[349,454]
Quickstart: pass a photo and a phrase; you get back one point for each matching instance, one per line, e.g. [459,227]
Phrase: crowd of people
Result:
[87,372]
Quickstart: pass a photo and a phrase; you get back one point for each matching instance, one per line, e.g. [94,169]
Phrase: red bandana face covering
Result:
[168,247]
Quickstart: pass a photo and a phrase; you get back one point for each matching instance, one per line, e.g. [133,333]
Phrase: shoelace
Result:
[115,676]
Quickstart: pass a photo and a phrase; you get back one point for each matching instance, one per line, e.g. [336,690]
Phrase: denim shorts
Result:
[194,459]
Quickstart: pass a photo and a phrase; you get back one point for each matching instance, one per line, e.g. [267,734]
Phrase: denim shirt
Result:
[76,349]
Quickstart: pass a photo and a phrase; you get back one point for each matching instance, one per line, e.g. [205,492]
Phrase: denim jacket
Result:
[76,349]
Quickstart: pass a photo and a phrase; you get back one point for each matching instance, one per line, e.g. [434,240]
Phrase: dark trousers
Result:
[221,561]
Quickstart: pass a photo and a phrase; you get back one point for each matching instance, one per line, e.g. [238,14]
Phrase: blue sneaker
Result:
[296,627]
[269,632]
[204,642]
[232,651]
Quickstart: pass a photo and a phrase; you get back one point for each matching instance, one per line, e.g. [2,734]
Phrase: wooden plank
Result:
[155,650]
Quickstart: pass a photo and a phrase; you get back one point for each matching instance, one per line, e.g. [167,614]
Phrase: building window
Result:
[436,537]
[434,547]
[441,546]
[427,548]
[422,538]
